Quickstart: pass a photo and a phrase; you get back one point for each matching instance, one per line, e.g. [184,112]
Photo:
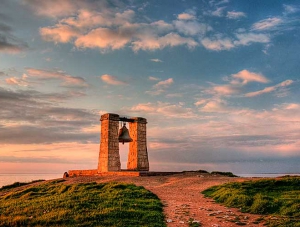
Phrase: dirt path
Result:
[180,193]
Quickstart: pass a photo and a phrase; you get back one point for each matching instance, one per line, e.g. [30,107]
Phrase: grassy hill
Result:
[279,197]
[90,204]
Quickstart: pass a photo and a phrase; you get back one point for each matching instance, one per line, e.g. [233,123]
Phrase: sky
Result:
[217,81]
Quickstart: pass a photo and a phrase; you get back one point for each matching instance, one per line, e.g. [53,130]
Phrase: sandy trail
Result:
[180,193]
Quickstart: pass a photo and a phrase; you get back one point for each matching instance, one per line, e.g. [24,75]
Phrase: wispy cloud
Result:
[191,28]
[186,16]
[67,80]
[156,60]
[218,43]
[32,117]
[270,89]
[112,80]
[164,83]
[153,78]
[160,87]
[10,43]
[55,8]
[235,14]
[235,85]
[219,12]
[18,81]
[163,108]
[290,9]
[267,24]
[59,33]
[246,76]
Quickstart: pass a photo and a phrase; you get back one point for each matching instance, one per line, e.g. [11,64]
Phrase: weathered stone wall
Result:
[138,155]
[109,157]
[86,172]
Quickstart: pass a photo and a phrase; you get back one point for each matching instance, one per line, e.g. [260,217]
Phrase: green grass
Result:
[90,204]
[18,184]
[228,174]
[280,197]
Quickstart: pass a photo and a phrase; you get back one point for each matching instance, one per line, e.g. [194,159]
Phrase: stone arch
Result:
[109,156]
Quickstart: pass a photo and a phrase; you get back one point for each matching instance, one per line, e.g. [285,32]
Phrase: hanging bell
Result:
[124,136]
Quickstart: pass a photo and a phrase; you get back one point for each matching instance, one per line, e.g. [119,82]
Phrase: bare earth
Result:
[180,193]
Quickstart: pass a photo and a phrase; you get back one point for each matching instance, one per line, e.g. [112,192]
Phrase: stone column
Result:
[138,155]
[109,156]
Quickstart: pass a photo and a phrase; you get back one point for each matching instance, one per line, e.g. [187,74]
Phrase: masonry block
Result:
[109,156]
[138,154]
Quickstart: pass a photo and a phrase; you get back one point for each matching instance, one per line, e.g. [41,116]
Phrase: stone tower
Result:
[138,155]
[109,156]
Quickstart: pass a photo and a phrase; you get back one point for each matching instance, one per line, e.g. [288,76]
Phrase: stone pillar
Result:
[138,155]
[109,156]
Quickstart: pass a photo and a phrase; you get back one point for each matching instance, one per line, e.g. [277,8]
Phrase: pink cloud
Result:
[166,109]
[160,87]
[153,78]
[53,8]
[18,81]
[164,83]
[215,106]
[270,89]
[68,80]
[146,42]
[246,76]
[103,38]
[186,16]
[226,89]
[112,80]
[59,33]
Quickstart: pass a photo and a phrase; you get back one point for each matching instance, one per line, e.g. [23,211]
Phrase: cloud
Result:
[104,38]
[67,80]
[225,89]
[214,106]
[174,95]
[160,87]
[267,24]
[154,42]
[200,102]
[168,110]
[218,43]
[32,117]
[156,60]
[270,89]
[17,81]
[218,12]
[191,27]
[10,43]
[59,33]
[186,16]
[290,9]
[164,83]
[153,78]
[245,39]
[235,86]
[112,80]
[54,8]
[235,15]
[87,18]
[246,76]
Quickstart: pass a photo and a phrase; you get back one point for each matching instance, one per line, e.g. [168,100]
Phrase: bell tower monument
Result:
[109,156]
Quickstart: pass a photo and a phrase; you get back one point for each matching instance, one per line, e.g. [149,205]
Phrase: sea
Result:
[10,178]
